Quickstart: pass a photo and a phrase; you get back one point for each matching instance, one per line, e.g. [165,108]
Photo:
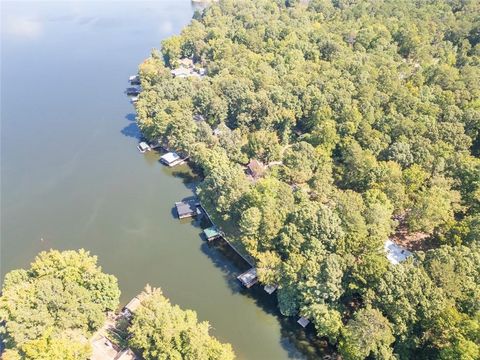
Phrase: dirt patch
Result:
[412,241]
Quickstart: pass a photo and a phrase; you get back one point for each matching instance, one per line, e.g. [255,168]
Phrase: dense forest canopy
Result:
[364,117]
[50,310]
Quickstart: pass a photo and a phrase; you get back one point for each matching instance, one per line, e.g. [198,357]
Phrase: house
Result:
[186,63]
[255,168]
[126,354]
[248,278]
[181,72]
[171,159]
[103,348]
[395,253]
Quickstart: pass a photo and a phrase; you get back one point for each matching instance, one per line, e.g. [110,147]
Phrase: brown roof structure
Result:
[255,168]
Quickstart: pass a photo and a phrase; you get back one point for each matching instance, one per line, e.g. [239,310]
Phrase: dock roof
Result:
[270,288]
[249,277]
[133,305]
[143,146]
[186,208]
[303,321]
[170,157]
[211,232]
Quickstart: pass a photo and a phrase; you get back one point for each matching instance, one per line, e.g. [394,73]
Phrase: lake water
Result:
[71,176]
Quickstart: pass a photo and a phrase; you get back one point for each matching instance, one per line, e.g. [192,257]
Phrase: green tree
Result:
[160,330]
[263,145]
[60,301]
[368,334]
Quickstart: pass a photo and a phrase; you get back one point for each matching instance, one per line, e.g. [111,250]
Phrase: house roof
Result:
[255,167]
[198,117]
[186,62]
[395,253]
[181,72]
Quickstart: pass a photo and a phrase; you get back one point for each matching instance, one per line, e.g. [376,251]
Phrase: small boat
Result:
[143,146]
[134,80]
[134,99]
[134,91]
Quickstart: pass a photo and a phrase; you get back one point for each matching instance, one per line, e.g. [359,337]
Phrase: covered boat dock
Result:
[269,289]
[248,278]
[186,209]
[171,159]
[212,233]
[303,321]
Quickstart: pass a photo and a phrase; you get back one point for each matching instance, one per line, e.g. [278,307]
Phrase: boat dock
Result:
[269,289]
[222,236]
[172,159]
[212,233]
[187,208]
[134,80]
[143,146]
[248,278]
[303,322]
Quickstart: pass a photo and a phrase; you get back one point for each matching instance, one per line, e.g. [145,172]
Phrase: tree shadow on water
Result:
[132,130]
[130,117]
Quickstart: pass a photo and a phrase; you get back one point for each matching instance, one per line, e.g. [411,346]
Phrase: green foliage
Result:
[160,330]
[368,334]
[51,308]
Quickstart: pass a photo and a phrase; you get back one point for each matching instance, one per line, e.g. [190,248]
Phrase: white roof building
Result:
[170,158]
[395,253]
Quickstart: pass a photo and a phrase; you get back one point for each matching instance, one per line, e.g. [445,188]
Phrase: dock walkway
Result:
[234,248]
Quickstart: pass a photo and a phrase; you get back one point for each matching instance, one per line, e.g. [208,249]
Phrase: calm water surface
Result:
[72,177]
